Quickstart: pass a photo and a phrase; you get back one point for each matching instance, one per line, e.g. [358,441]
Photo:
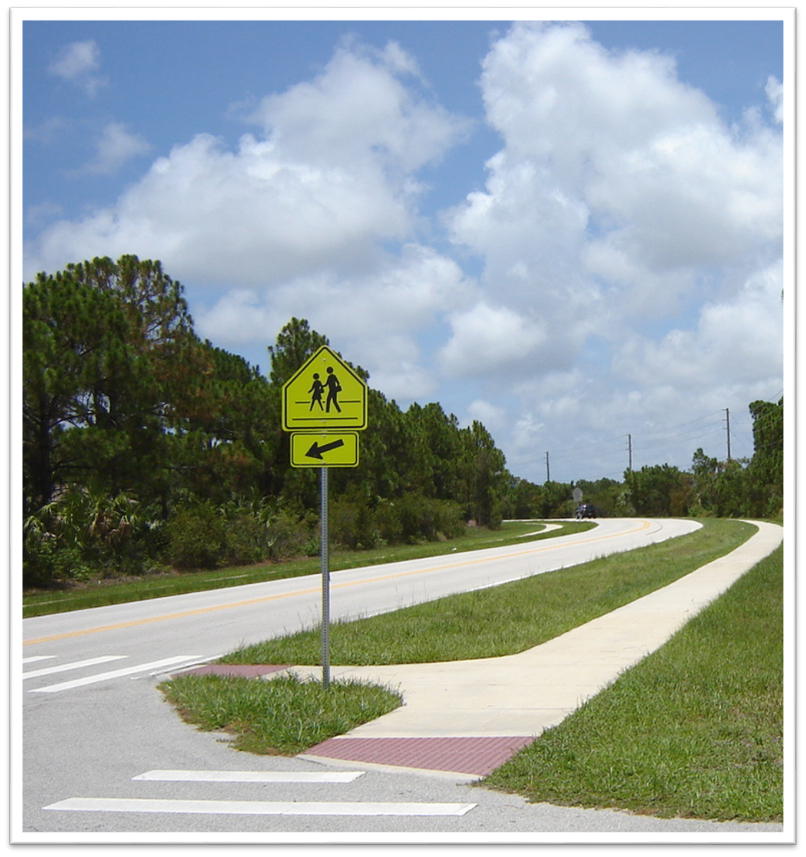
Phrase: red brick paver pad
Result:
[477,756]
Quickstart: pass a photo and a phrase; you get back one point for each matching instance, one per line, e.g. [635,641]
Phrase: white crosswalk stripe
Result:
[154,666]
[248,807]
[257,807]
[90,662]
[251,776]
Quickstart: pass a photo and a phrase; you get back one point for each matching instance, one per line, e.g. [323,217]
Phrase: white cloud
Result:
[327,183]
[491,339]
[775,94]
[43,213]
[250,214]
[359,108]
[667,394]
[46,132]
[740,340]
[380,313]
[78,63]
[115,147]
[298,217]
[617,194]
[492,417]
[620,209]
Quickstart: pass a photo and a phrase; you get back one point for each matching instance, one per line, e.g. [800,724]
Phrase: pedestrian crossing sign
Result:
[324,394]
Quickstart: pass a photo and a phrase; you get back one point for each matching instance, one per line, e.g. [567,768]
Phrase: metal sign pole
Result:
[325,586]
[324,437]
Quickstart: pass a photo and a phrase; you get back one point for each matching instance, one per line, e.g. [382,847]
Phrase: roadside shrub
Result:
[387,523]
[245,540]
[196,537]
[292,534]
[84,535]
[206,535]
[352,524]
[414,518]
[45,562]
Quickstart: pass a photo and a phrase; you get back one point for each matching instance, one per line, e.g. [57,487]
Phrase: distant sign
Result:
[324,449]
[325,394]
[577,494]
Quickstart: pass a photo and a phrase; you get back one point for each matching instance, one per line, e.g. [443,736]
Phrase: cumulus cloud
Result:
[620,210]
[299,217]
[617,194]
[328,180]
[380,313]
[360,107]
[735,334]
[491,416]
[488,339]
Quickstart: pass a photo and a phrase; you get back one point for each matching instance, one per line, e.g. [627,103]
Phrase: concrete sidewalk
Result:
[465,718]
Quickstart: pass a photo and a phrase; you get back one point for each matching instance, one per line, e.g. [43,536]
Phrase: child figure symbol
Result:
[316,391]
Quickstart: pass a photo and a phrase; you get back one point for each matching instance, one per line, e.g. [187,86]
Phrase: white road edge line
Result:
[34,658]
[233,807]
[252,776]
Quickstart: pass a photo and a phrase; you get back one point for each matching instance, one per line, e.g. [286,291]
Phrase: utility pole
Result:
[548,471]
[629,451]
[727,425]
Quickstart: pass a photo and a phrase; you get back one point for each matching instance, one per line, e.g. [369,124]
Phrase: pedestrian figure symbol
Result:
[333,390]
[316,389]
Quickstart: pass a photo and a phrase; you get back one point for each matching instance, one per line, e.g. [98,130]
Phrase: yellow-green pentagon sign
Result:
[323,395]
[324,449]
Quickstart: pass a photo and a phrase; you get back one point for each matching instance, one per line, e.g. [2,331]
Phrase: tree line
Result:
[147,448]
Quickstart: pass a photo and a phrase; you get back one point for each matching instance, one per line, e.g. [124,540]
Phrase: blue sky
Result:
[571,231]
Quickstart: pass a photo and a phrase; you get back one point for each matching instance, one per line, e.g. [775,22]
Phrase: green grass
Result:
[283,715]
[509,618]
[694,730]
[104,592]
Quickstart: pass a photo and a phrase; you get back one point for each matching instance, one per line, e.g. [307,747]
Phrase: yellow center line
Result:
[234,604]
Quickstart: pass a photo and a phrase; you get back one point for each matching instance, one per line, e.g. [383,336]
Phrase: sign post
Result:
[325,551]
[324,406]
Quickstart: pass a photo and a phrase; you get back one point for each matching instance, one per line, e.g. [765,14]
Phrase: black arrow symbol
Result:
[316,451]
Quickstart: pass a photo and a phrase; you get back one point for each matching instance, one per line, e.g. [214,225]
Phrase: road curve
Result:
[208,624]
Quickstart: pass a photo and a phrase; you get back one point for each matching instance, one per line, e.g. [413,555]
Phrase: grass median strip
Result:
[694,730]
[509,618]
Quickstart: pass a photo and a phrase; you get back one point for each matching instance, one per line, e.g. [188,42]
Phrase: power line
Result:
[660,437]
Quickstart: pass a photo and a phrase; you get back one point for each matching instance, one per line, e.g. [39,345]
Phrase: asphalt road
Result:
[91,733]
